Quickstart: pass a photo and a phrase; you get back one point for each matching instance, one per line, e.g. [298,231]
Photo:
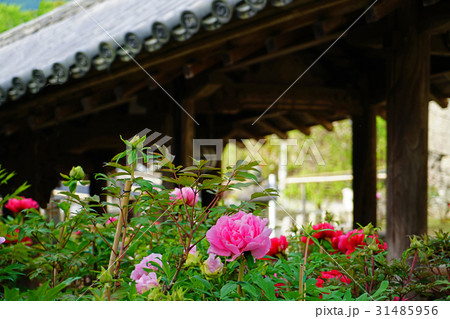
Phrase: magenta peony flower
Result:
[2,240]
[234,235]
[212,267]
[17,205]
[146,282]
[185,194]
[140,269]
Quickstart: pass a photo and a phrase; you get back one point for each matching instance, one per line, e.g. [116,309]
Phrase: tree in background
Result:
[12,15]
[335,149]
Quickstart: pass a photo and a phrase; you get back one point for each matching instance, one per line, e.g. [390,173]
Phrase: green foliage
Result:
[334,147]
[70,259]
[12,15]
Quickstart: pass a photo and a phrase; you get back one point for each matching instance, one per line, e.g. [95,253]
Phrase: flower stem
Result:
[301,282]
[120,222]
[241,277]
[412,267]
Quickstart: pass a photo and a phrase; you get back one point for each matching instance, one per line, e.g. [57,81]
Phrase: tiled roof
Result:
[90,34]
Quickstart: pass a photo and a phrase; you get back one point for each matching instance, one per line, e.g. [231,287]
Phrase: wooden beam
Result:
[194,68]
[38,123]
[257,96]
[382,9]
[295,125]
[204,91]
[325,123]
[234,55]
[276,43]
[164,78]
[427,3]
[438,97]
[439,45]
[435,19]
[174,52]
[325,27]
[35,121]
[272,129]
[63,111]
[407,129]
[282,52]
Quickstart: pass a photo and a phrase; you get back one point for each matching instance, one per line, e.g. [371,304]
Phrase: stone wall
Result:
[439,160]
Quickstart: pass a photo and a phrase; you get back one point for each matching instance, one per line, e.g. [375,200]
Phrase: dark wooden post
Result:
[187,132]
[407,128]
[364,159]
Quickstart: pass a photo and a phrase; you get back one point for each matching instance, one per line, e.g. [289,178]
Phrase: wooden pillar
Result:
[407,128]
[364,159]
[187,132]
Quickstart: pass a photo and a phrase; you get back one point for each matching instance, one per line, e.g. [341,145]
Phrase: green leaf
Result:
[53,293]
[72,186]
[227,289]
[250,259]
[383,287]
[122,167]
[256,294]
[12,294]
[247,176]
[266,285]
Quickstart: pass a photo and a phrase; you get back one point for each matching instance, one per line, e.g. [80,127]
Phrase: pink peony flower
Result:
[2,240]
[78,233]
[111,220]
[146,282]
[17,205]
[212,267]
[234,235]
[140,269]
[185,194]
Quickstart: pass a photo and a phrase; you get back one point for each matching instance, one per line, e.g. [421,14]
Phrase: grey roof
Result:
[84,34]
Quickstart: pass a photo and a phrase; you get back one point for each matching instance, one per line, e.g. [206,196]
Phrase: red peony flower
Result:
[348,242]
[14,239]
[278,245]
[323,231]
[331,275]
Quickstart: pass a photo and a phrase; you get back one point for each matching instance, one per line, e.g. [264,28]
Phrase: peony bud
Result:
[212,267]
[415,243]
[193,257]
[77,173]
[2,240]
[368,230]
